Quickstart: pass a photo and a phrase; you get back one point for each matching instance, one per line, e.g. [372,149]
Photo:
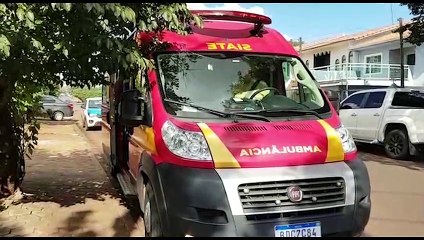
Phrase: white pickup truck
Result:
[390,116]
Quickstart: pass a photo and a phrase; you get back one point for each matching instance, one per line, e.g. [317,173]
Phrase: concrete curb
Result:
[128,220]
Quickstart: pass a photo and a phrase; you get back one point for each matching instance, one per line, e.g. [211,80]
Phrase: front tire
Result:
[152,224]
[396,144]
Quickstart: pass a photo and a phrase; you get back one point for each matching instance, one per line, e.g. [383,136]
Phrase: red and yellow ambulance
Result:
[230,135]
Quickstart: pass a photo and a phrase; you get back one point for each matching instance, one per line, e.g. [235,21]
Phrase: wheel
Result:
[58,116]
[151,214]
[396,144]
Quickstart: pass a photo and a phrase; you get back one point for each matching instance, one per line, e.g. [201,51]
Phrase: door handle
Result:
[376,114]
[353,115]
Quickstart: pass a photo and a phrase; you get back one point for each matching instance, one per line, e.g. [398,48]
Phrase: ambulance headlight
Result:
[347,140]
[186,144]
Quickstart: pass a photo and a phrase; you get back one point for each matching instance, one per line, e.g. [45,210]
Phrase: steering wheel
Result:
[264,89]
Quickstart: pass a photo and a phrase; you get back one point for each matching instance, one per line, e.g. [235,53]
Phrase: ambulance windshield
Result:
[237,82]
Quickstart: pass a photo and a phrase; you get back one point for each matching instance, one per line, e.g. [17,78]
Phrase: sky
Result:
[315,21]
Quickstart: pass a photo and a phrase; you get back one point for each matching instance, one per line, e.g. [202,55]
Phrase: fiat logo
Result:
[295,194]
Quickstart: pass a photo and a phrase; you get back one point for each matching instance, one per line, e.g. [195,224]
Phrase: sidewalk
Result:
[67,192]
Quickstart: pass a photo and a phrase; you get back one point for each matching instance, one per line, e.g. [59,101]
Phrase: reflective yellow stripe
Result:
[221,156]
[335,150]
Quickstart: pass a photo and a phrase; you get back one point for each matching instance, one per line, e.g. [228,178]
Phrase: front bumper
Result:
[195,202]
[94,121]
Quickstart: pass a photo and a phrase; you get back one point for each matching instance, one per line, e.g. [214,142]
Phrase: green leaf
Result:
[119,45]
[98,7]
[37,44]
[67,6]
[4,45]
[3,7]
[109,43]
[65,52]
[29,24]
[30,16]
[142,64]
[89,6]
[175,18]
[198,21]
[57,46]
[117,11]
[165,16]
[142,25]
[128,57]
[129,14]
[99,42]
[20,13]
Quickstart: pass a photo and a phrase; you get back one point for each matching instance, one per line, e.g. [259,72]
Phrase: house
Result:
[369,59]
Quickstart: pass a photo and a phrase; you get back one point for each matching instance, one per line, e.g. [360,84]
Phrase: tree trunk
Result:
[11,154]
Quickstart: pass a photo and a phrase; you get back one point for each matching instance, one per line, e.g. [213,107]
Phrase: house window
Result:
[350,60]
[410,59]
[343,61]
[307,63]
[373,63]
[337,62]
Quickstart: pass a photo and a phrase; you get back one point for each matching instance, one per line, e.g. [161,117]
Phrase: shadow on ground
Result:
[71,179]
[61,179]
[375,153]
[63,122]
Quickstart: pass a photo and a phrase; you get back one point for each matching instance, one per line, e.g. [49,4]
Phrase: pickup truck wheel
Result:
[396,144]
[151,214]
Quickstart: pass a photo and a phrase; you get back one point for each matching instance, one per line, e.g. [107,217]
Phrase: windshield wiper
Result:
[219,113]
[286,110]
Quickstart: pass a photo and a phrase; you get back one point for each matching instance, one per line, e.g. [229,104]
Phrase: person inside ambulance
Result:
[253,82]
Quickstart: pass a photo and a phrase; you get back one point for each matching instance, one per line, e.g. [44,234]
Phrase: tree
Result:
[416,27]
[44,45]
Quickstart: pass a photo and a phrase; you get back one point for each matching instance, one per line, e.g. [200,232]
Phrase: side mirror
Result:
[132,108]
[83,106]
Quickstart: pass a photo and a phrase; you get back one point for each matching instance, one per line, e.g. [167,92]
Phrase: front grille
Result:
[272,196]
[295,214]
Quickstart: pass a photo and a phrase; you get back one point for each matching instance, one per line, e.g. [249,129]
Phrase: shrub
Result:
[84,93]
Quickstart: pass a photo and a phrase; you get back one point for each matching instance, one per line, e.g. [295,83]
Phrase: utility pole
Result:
[300,44]
[402,67]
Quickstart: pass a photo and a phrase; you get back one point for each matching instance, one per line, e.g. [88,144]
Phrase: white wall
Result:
[336,52]
[419,66]
[339,49]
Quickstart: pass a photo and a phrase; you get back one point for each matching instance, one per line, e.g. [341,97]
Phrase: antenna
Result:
[391,10]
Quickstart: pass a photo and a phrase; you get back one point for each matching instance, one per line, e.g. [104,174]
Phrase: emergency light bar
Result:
[233,16]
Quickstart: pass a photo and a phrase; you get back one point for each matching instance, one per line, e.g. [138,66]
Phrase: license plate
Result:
[312,229]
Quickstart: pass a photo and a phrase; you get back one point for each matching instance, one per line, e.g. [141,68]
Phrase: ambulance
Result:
[231,135]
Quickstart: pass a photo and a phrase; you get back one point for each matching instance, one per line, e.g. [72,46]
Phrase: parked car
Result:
[57,109]
[66,98]
[334,98]
[391,116]
[92,114]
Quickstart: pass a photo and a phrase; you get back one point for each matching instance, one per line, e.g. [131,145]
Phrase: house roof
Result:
[355,36]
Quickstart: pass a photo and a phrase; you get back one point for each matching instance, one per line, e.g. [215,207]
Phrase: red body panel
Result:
[307,133]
